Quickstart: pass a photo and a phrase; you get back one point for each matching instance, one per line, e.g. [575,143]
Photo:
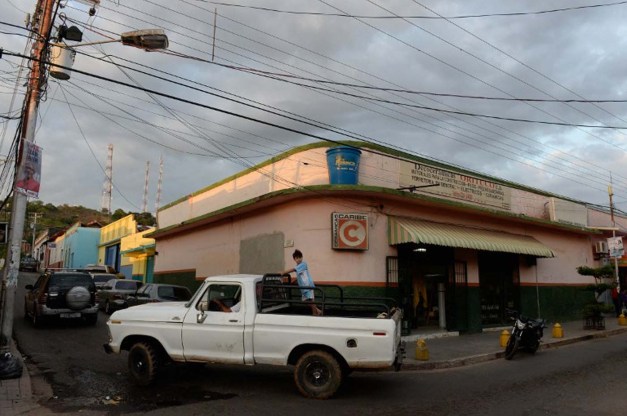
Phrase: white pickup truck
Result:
[268,324]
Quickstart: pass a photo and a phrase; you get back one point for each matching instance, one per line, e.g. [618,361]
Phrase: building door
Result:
[150,269]
[112,256]
[457,298]
[498,285]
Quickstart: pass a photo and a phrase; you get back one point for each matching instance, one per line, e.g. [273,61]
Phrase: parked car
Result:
[100,268]
[61,294]
[113,294]
[100,279]
[158,292]
[28,264]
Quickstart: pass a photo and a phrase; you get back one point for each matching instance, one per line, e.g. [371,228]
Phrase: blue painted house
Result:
[80,246]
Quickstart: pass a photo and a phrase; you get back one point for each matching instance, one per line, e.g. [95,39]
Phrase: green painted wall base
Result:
[557,303]
[187,279]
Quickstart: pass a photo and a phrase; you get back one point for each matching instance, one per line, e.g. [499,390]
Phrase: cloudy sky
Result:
[519,90]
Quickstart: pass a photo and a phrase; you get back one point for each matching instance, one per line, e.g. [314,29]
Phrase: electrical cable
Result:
[510,14]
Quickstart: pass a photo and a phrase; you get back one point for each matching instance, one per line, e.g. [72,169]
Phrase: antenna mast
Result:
[108,182]
[145,202]
[158,200]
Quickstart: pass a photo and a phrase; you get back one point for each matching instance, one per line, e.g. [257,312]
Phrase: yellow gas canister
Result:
[622,321]
[558,331]
[422,352]
[504,338]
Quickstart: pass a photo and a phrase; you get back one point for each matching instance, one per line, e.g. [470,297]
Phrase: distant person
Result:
[304,281]
[616,300]
[623,302]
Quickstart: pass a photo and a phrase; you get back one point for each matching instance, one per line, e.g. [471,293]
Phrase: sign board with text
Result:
[350,231]
[454,185]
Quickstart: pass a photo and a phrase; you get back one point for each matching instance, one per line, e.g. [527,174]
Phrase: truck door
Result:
[213,330]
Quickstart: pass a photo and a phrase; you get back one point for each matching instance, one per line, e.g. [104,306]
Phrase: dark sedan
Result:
[158,292]
[113,294]
[28,264]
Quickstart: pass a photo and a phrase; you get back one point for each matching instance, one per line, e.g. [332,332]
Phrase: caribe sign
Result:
[350,231]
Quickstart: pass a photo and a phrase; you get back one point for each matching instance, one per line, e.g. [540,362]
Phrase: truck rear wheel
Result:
[144,362]
[317,375]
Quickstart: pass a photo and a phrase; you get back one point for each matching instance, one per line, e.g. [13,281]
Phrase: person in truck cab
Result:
[304,281]
[235,308]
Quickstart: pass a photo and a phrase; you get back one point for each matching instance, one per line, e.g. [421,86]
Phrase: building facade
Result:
[454,247]
[138,253]
[110,242]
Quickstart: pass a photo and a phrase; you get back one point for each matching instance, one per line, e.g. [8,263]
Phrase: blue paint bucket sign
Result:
[343,163]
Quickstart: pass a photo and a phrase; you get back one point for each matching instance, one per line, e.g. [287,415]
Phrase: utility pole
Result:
[10,366]
[33,225]
[611,193]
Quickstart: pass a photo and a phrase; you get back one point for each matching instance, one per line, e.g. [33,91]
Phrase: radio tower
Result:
[108,182]
[158,200]
[145,202]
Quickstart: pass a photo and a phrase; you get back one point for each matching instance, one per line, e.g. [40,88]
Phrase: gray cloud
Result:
[580,51]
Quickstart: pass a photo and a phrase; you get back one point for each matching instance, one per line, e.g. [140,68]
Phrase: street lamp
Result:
[62,55]
[146,39]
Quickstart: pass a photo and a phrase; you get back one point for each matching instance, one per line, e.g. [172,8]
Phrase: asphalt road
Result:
[583,378]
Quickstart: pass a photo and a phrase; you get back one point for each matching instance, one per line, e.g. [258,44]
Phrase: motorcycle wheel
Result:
[512,346]
[533,347]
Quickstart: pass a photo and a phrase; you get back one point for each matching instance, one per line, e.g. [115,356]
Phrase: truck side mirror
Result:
[200,317]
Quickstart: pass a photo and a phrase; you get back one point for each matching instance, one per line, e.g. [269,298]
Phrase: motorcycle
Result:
[526,334]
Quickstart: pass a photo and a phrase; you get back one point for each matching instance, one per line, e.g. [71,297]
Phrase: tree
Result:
[117,214]
[603,281]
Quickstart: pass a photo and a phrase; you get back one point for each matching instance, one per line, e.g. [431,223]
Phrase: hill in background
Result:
[63,216]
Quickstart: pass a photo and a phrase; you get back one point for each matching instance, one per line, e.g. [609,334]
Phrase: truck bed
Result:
[278,295]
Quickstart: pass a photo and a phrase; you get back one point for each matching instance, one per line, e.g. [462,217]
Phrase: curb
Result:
[480,358]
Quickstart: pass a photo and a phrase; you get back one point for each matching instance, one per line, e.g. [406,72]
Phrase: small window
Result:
[227,294]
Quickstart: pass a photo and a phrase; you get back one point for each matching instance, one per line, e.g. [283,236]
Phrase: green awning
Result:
[405,230]
[148,250]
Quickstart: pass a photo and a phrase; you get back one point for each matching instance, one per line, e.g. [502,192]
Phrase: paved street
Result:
[70,374]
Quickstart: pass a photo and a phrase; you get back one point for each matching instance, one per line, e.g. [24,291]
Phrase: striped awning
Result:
[405,230]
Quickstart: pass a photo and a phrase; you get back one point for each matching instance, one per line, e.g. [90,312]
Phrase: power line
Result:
[472,16]
[176,11]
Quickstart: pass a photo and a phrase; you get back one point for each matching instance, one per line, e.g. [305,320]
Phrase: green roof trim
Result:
[379,149]
[139,249]
[341,189]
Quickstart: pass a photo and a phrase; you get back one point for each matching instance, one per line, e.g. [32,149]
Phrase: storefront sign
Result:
[350,231]
[454,185]
[568,212]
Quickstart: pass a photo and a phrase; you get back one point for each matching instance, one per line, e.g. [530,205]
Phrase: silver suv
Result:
[61,295]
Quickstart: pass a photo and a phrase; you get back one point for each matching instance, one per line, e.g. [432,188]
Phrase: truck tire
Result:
[144,362]
[317,375]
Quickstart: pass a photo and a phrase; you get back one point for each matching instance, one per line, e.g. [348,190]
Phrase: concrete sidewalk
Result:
[449,349]
[446,350]
[16,395]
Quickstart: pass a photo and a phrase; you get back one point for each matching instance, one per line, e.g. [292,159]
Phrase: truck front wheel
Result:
[318,375]
[144,362]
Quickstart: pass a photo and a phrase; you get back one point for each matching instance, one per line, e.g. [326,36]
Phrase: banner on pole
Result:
[615,246]
[29,178]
